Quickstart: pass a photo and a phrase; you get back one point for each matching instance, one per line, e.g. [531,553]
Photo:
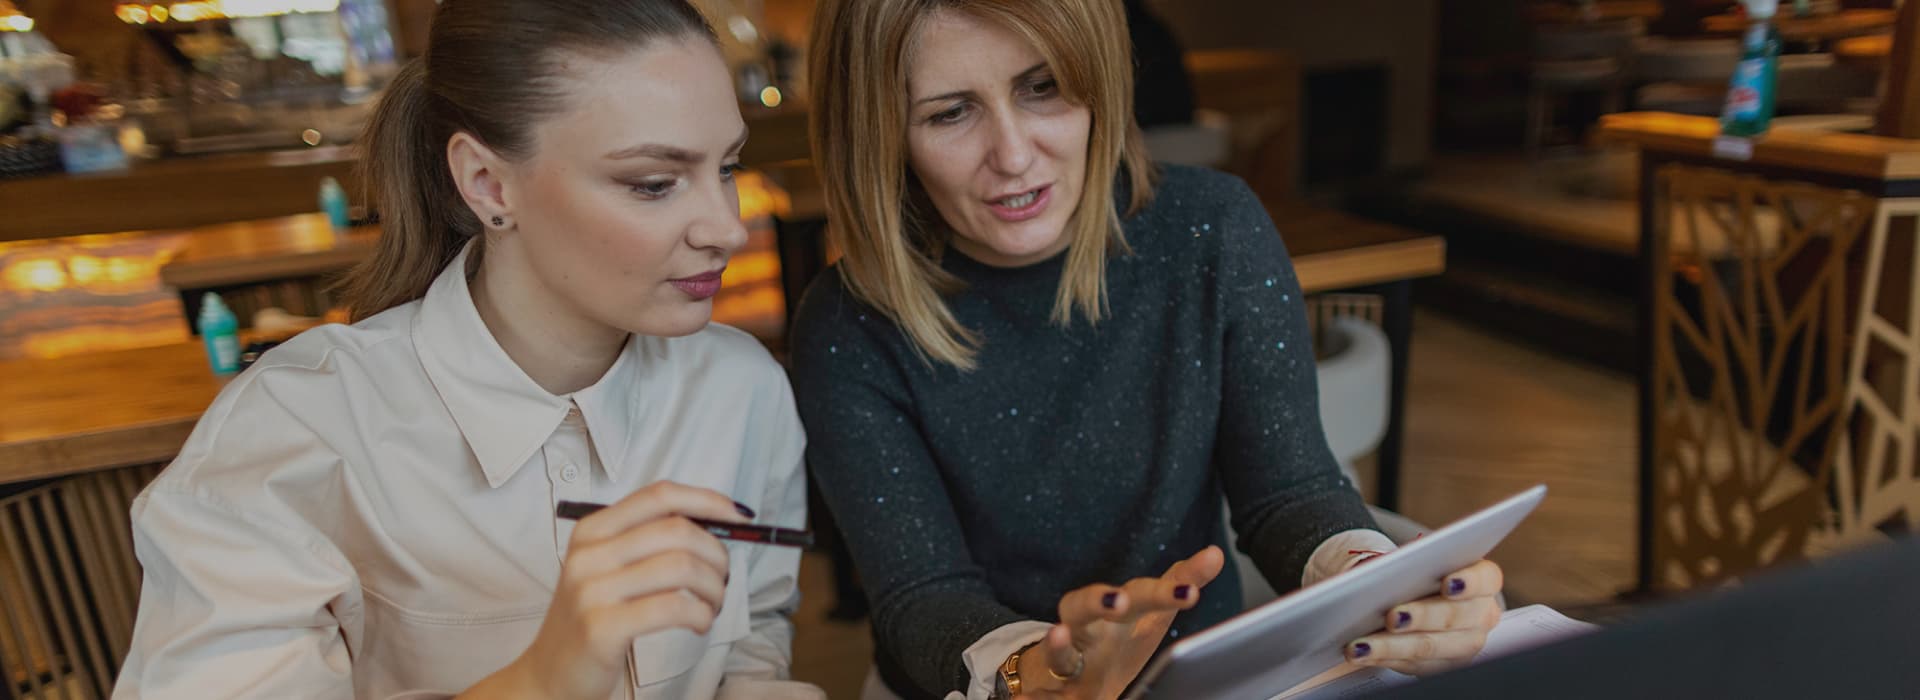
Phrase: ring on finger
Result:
[1079,664]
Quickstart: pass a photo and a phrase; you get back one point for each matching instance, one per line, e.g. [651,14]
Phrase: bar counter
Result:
[194,191]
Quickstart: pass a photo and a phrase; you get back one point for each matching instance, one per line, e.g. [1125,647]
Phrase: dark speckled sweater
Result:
[1073,455]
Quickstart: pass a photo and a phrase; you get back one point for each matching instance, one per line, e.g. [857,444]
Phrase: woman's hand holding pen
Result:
[1107,633]
[636,567]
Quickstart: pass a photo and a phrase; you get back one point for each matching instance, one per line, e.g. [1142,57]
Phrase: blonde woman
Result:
[1039,367]
[370,511]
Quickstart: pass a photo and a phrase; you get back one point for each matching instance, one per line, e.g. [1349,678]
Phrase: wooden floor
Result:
[1485,418]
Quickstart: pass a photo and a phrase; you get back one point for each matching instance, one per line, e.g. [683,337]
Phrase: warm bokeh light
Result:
[193,11]
[17,23]
[200,10]
[770,96]
[35,275]
[759,197]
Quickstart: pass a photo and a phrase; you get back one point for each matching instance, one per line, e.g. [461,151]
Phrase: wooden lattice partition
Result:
[1785,372]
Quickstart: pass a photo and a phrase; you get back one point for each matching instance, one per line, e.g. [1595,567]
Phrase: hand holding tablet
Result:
[1269,649]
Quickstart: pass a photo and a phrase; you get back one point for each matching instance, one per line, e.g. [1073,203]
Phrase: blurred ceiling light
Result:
[743,29]
[201,10]
[12,20]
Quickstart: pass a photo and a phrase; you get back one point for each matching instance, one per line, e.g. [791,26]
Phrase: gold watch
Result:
[1010,673]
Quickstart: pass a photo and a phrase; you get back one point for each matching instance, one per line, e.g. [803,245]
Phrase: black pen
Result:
[738,532]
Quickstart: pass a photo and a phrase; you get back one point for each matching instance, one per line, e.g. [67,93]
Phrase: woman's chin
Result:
[1016,249]
[691,318]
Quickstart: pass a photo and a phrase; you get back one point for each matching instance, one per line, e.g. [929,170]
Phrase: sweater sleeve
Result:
[930,599]
[1283,485]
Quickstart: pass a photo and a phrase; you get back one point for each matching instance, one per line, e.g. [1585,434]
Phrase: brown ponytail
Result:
[488,71]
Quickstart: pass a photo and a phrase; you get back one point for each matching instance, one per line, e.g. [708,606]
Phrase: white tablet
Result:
[1264,651]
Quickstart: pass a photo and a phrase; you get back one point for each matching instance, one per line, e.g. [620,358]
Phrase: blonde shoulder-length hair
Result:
[883,224]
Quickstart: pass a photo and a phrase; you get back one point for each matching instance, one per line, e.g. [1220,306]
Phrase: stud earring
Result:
[498,222]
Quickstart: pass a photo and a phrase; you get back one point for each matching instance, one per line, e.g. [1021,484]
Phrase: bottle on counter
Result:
[333,201]
[220,330]
[1750,97]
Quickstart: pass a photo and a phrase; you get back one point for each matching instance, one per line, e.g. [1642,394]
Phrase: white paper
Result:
[1518,630]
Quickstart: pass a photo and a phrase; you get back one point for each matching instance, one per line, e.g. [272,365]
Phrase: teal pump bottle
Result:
[1750,97]
[221,332]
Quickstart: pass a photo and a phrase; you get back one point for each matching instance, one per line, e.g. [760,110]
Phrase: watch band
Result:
[1009,685]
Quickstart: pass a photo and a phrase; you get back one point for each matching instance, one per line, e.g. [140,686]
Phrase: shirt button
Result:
[569,473]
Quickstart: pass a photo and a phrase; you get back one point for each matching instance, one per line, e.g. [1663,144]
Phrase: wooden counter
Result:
[198,191]
[1815,28]
[1850,155]
[172,193]
[1554,12]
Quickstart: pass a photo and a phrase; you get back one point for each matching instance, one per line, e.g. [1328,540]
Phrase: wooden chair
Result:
[1594,57]
[69,585]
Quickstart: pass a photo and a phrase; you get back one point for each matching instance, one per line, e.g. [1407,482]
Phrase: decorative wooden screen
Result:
[1786,350]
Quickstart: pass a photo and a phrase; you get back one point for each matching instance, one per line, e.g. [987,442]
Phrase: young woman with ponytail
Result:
[369,511]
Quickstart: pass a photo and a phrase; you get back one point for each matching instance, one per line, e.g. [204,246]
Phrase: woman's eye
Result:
[653,189]
[731,169]
[948,116]
[1044,88]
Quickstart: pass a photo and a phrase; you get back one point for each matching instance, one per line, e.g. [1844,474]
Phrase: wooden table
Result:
[249,251]
[100,411]
[1811,29]
[1868,52]
[1333,251]
[1558,12]
[1832,153]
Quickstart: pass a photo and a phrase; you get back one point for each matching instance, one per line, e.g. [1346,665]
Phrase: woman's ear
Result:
[480,173]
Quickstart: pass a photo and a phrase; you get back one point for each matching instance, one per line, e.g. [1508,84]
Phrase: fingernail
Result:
[745,512]
[1361,650]
[1456,586]
[1182,591]
[1110,600]
[1402,619]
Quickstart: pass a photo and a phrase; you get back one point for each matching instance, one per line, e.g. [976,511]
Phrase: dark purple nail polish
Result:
[745,512]
[1361,650]
[1456,586]
[1110,600]
[1402,619]
[1182,591]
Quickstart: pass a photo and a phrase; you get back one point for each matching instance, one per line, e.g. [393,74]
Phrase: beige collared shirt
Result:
[368,512]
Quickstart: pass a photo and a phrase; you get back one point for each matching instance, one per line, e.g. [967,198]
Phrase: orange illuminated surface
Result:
[87,293]
[95,293]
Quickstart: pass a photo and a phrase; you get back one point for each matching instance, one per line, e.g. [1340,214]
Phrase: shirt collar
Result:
[503,414]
